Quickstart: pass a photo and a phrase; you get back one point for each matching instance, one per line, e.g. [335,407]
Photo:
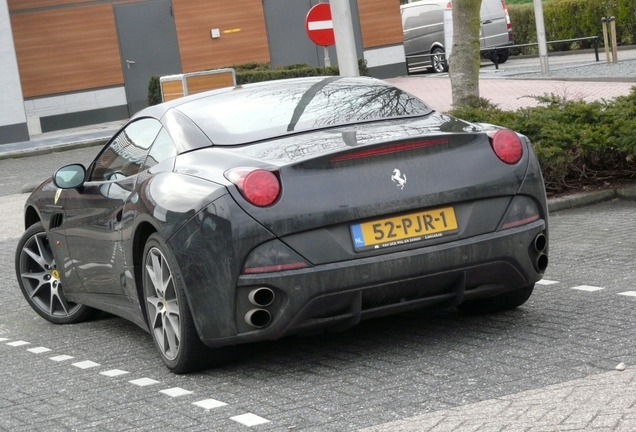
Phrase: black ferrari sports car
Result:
[254,212]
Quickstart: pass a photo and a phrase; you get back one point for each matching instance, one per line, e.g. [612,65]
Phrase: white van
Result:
[423,26]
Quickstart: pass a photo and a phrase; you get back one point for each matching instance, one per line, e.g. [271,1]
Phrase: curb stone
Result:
[587,198]
[52,148]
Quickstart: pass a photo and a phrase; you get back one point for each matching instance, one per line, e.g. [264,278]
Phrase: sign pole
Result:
[541,39]
[345,41]
[327,61]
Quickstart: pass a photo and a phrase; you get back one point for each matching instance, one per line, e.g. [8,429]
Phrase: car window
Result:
[257,112]
[420,16]
[162,149]
[126,153]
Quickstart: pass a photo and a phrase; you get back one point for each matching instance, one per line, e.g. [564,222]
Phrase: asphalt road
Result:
[18,172]
[578,324]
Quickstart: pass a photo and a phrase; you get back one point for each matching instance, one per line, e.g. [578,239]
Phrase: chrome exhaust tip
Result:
[258,318]
[541,263]
[262,296]
[540,242]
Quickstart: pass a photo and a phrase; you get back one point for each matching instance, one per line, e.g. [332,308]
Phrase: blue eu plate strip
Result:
[356,233]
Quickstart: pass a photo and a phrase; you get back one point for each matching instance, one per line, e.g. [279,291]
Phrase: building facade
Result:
[79,62]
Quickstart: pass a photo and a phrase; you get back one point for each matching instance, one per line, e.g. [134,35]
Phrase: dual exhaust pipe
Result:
[261,298]
[540,243]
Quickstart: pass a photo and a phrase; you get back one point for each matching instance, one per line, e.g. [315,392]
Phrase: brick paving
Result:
[548,366]
[604,402]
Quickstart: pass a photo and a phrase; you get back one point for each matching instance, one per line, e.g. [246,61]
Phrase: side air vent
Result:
[56,221]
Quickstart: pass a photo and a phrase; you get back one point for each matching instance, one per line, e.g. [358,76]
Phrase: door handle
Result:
[129,62]
[485,22]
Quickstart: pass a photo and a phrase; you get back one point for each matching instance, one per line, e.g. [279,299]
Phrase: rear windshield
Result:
[262,111]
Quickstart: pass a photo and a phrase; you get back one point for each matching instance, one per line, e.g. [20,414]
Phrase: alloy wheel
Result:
[164,315]
[41,279]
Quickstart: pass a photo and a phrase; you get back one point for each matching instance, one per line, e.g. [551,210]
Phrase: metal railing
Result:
[495,50]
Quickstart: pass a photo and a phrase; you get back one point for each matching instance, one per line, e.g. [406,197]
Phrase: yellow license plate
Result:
[408,228]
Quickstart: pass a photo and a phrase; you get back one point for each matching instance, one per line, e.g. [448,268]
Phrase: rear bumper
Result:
[339,295]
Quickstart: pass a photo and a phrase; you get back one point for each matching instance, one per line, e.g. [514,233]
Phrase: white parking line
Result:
[546,282]
[61,358]
[4,339]
[209,404]
[39,350]
[18,343]
[587,288]
[175,392]
[114,372]
[87,364]
[249,419]
[142,382]
[628,293]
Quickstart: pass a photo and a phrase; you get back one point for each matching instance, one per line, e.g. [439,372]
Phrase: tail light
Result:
[391,148]
[506,145]
[258,186]
[505,8]
[273,256]
[522,210]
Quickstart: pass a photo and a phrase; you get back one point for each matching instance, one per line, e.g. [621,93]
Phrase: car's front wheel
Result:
[39,280]
[169,317]
[502,302]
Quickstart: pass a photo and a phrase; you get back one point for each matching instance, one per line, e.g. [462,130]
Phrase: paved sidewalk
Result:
[510,94]
[604,402]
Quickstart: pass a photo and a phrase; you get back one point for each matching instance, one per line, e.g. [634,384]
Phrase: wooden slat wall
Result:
[172,90]
[380,22]
[200,83]
[15,5]
[68,49]
[195,18]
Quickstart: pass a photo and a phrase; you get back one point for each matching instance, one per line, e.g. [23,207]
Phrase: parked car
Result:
[249,213]
[423,26]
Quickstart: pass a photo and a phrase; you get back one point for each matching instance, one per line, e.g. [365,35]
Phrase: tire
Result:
[502,56]
[439,61]
[168,314]
[40,282]
[498,303]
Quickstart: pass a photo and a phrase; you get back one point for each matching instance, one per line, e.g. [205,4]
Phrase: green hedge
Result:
[570,19]
[257,72]
[577,143]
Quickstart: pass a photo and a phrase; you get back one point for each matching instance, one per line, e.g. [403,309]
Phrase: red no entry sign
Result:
[319,26]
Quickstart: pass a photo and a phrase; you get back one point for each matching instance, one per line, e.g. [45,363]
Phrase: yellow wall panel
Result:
[242,28]
[380,22]
[67,49]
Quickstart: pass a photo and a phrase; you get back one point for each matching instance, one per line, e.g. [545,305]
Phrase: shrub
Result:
[154,91]
[578,143]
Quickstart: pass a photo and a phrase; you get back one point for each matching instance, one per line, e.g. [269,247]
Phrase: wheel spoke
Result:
[37,258]
[171,337]
[57,299]
[154,272]
[44,253]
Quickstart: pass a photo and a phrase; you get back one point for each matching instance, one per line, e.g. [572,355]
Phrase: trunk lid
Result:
[369,171]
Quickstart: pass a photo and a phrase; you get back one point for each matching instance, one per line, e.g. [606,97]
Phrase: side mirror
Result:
[70,176]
